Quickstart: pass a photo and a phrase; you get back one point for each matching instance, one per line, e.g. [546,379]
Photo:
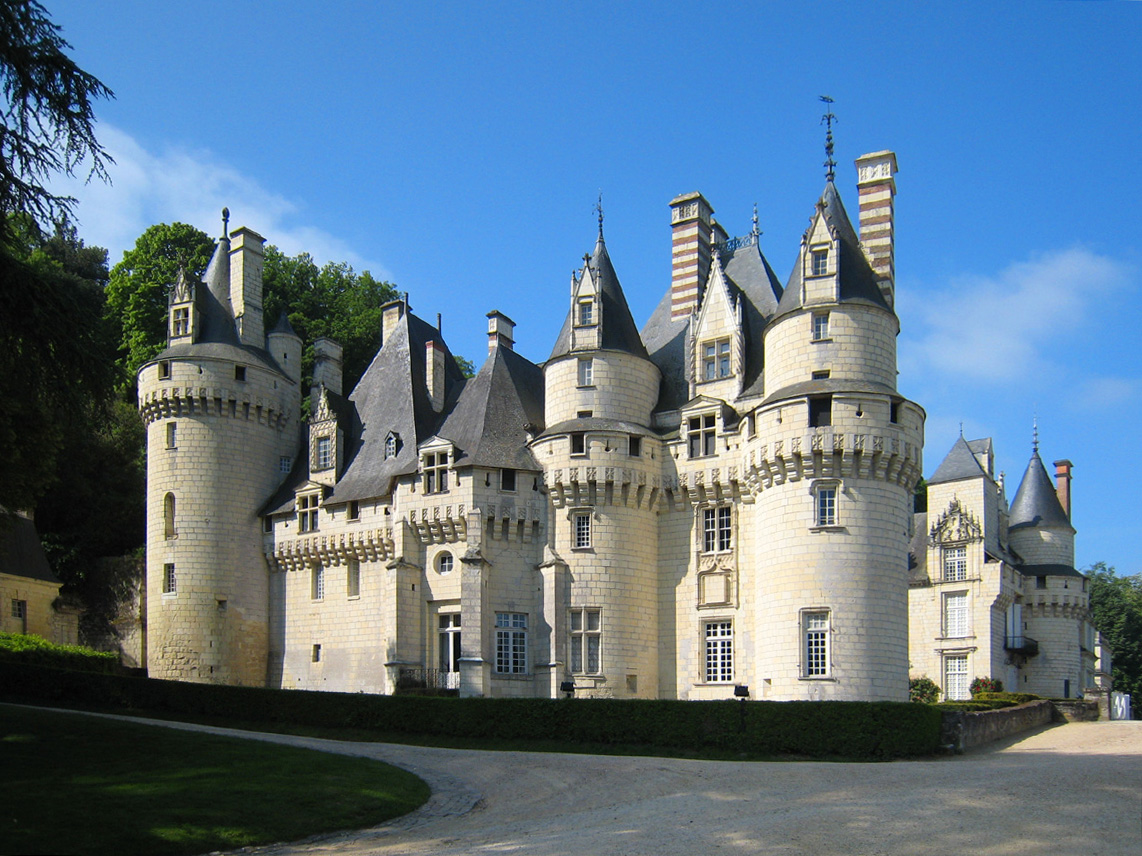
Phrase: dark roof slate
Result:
[1036,503]
[21,554]
[959,463]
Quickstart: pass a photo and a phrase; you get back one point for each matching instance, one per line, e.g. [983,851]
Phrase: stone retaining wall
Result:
[964,730]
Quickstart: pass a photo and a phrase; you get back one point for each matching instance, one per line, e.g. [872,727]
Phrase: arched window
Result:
[169,530]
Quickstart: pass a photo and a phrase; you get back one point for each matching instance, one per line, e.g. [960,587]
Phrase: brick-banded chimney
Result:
[876,187]
[501,331]
[691,219]
[1063,484]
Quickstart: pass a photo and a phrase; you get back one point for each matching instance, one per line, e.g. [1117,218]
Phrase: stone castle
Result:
[721,502]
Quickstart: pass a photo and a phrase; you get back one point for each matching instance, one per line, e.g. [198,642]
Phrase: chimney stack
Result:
[391,314]
[246,258]
[434,358]
[876,187]
[501,331]
[691,219]
[326,366]
[1063,484]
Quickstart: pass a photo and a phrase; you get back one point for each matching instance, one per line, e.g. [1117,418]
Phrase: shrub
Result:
[25,648]
[1014,698]
[923,690]
[986,685]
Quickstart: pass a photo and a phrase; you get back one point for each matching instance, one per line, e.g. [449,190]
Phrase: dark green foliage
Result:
[841,730]
[1015,698]
[32,650]
[923,690]
[1116,610]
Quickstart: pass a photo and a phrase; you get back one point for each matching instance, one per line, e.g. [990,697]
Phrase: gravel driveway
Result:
[1067,789]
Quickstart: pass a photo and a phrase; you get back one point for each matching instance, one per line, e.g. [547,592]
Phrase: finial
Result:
[961,430]
[1035,434]
[599,211]
[756,232]
[827,120]
[225,222]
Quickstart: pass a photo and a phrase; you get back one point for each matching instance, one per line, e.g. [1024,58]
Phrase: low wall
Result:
[964,730]
[1075,710]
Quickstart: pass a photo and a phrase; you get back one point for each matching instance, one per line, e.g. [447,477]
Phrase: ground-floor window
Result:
[449,625]
[511,643]
[956,686]
[815,631]
[586,638]
[719,652]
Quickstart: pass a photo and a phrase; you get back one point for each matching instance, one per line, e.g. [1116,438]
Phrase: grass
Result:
[75,784]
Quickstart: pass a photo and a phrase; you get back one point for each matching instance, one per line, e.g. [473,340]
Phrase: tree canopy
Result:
[1116,609]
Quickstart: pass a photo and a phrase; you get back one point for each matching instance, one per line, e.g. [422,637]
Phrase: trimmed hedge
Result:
[25,648]
[1014,698]
[849,730]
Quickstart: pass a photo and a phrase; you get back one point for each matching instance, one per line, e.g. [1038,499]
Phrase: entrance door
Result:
[449,624]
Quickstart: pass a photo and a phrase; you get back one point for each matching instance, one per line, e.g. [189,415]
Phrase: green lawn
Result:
[75,784]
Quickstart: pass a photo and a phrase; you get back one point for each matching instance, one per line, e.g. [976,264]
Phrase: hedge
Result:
[848,730]
[26,648]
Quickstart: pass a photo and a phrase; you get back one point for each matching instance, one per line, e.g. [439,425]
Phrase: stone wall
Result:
[963,731]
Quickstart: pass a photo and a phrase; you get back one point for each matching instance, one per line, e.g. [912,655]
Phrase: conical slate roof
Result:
[959,463]
[617,328]
[858,283]
[1036,503]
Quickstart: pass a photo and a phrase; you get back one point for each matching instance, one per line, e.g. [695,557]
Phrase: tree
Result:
[48,114]
[137,292]
[1116,610]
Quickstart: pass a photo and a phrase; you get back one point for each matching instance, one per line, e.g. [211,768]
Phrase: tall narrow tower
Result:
[222,415]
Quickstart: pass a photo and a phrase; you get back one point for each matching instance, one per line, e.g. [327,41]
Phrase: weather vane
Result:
[827,120]
[599,211]
[756,232]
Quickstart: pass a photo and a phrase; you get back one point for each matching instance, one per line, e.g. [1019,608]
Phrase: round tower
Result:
[600,461]
[221,416]
[834,464]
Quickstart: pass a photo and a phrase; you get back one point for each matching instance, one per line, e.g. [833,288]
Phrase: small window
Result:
[702,436]
[240,373]
[164,370]
[586,640]
[392,446]
[955,564]
[820,262]
[317,582]
[353,578]
[19,609]
[586,313]
[1040,582]
[716,359]
[719,652]
[507,480]
[825,505]
[180,326]
[170,581]
[172,435]
[821,411]
[578,443]
[815,629]
[582,530]
[444,563]
[267,524]
[821,375]
[307,509]
[634,446]
[586,372]
[820,326]
[717,529]
[316,656]
[285,464]
[324,453]
[436,472]
[894,412]
[169,530]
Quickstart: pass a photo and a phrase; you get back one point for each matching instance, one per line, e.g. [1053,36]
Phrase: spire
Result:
[827,120]
[599,210]
[1036,502]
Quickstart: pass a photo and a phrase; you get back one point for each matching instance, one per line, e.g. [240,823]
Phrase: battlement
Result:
[826,453]
[173,402]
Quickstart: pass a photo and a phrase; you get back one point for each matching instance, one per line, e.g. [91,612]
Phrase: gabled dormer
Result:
[326,441]
[182,315]
[704,423]
[586,310]
[717,358]
[437,459]
[820,261]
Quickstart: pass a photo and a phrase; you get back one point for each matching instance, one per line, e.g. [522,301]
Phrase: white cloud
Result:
[191,186]
[1008,326]
[1106,391]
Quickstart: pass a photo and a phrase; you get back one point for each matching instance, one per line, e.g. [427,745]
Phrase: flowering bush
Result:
[986,685]
[923,690]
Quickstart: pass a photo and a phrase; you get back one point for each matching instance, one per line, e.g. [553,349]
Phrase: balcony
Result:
[1024,645]
[417,679]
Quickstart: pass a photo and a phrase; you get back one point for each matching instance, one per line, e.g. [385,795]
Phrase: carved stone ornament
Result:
[719,562]
[183,288]
[956,525]
[323,413]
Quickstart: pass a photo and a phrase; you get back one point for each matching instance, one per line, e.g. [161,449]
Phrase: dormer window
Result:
[392,445]
[307,509]
[180,322]
[435,467]
[323,458]
[702,436]
[820,262]
[716,359]
[586,314]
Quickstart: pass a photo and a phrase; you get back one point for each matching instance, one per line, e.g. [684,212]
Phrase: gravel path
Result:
[1067,789]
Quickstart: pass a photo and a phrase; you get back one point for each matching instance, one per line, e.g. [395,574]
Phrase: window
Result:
[894,412]
[354,512]
[955,564]
[316,656]
[507,480]
[169,530]
[511,643]
[172,435]
[956,686]
[285,464]
[578,443]
[317,582]
[717,529]
[391,443]
[582,530]
[586,313]
[815,627]
[719,652]
[436,472]
[449,627]
[353,578]
[820,411]
[956,615]
[170,581]
[586,372]
[307,507]
[702,436]
[716,359]
[324,453]
[820,326]
[820,262]
[164,370]
[181,324]
[267,525]
[586,636]
[239,373]
[825,504]
[634,446]
[20,613]
[1040,582]
[444,563]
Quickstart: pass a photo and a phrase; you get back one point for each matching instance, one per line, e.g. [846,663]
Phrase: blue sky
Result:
[457,149]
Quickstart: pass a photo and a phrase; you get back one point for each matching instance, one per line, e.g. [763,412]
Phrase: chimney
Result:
[691,219]
[501,331]
[327,365]
[434,358]
[391,314]
[246,255]
[876,187]
[1063,484]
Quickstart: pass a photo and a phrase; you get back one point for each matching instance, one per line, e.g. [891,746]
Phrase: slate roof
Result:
[617,328]
[858,283]
[959,463]
[1036,503]
[1050,571]
[489,424]
[918,551]
[21,554]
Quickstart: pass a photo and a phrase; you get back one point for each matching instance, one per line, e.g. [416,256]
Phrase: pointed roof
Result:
[283,325]
[21,553]
[618,331]
[858,283]
[1036,504]
[959,463]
